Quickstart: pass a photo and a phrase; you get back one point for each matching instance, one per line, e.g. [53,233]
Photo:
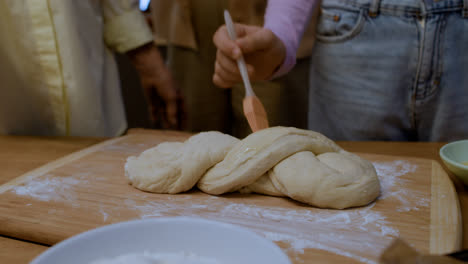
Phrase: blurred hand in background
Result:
[165,101]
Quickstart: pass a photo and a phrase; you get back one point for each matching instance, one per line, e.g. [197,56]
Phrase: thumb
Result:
[258,40]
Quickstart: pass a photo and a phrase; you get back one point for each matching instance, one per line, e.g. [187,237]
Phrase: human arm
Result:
[126,31]
[269,51]
[165,101]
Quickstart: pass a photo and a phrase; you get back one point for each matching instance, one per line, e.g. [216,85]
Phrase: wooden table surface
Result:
[19,154]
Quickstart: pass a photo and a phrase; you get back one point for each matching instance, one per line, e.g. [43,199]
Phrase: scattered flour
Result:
[157,258]
[389,174]
[50,188]
[393,186]
[329,230]
[105,215]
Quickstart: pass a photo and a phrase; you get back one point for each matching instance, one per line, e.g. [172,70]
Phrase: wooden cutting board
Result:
[88,189]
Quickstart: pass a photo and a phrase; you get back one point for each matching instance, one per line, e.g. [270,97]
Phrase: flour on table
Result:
[157,258]
[49,188]
[393,185]
[105,215]
[390,173]
[329,230]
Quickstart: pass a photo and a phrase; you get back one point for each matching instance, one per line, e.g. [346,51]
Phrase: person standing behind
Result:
[58,74]
[184,28]
[380,69]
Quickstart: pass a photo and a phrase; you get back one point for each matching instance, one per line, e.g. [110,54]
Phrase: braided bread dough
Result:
[174,167]
[281,161]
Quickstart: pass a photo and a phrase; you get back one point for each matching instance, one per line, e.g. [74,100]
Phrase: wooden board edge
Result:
[159,132]
[446,224]
[57,163]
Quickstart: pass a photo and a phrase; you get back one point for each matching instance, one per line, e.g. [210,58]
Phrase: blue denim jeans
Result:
[390,70]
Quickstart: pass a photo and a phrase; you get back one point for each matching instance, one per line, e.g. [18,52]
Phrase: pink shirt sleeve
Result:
[287,19]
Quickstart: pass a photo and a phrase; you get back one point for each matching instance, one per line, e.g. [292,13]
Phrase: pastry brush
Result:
[253,108]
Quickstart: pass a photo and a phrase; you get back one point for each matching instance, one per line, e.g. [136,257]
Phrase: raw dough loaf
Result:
[248,160]
[174,167]
[281,161]
[329,180]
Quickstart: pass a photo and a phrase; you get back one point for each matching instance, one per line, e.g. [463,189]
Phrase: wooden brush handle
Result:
[240,62]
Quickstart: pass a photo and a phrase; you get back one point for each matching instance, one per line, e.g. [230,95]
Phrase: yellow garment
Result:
[57,72]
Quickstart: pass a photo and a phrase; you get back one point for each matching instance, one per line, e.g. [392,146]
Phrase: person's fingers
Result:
[155,105]
[169,95]
[243,30]
[229,75]
[162,101]
[255,41]
[218,81]
[226,76]
[230,66]
[225,44]
[227,64]
[171,112]
[182,114]
[164,123]
[251,71]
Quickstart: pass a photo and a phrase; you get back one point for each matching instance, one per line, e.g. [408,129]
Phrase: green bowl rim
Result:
[450,161]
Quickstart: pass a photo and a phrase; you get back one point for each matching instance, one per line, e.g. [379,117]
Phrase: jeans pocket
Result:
[338,25]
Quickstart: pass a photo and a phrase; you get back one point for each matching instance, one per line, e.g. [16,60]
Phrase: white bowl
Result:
[226,243]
